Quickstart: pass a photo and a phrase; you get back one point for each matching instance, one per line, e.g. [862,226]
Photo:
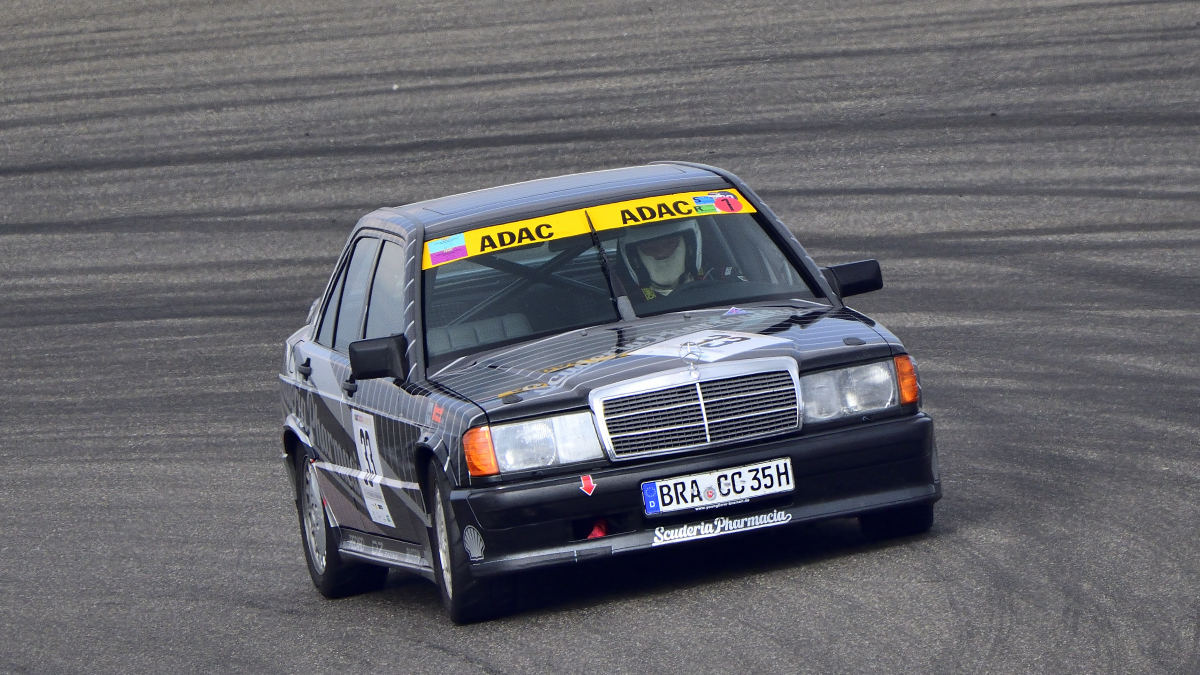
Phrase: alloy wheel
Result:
[443,535]
[314,518]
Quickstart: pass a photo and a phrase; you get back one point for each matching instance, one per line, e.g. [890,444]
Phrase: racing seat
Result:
[472,333]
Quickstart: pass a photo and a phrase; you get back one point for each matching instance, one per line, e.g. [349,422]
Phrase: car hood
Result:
[558,372]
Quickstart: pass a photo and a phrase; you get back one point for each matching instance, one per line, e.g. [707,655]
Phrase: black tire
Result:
[903,521]
[467,599]
[334,576]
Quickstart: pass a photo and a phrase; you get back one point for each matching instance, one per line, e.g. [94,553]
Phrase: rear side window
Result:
[354,295]
[344,313]
[385,313]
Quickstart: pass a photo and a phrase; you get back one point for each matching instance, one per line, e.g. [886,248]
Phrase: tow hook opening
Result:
[600,527]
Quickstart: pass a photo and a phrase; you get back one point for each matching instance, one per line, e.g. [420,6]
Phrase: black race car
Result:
[577,367]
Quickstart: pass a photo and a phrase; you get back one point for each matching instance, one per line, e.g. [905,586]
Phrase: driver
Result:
[662,257]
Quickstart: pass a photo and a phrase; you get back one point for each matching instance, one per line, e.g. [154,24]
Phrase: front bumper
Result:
[842,472]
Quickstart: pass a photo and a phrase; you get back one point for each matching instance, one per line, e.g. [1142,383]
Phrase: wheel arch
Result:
[291,445]
[425,456]
[294,438]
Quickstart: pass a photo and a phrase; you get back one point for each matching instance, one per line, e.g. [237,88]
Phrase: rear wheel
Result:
[903,521]
[467,599]
[333,576]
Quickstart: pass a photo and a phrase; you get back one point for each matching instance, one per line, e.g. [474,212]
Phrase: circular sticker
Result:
[709,494]
[727,202]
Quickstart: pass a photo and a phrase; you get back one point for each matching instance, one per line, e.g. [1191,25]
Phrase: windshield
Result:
[487,289]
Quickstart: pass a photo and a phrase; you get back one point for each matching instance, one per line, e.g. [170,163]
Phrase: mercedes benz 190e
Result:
[572,368]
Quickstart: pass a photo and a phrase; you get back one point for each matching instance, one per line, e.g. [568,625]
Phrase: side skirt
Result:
[379,550]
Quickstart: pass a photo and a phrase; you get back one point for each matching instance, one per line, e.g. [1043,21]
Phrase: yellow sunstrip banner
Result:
[572,223]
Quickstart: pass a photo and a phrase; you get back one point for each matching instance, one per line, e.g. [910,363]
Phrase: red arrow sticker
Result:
[589,486]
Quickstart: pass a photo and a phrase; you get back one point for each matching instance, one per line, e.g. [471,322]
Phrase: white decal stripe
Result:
[355,473]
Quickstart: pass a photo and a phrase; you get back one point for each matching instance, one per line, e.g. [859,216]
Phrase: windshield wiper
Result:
[624,307]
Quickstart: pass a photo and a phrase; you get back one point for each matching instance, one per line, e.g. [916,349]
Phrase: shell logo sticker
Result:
[612,216]
[473,542]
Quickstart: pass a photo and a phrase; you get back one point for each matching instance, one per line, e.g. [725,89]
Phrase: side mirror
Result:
[379,357]
[854,278]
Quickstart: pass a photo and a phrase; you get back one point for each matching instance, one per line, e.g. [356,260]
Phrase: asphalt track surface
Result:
[176,179]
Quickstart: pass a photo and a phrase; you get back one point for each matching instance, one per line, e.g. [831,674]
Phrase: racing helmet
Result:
[661,266]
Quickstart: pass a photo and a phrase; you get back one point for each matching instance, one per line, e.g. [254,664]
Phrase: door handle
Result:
[349,386]
[305,369]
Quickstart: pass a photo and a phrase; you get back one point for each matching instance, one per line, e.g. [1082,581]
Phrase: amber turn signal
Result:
[481,456]
[906,373]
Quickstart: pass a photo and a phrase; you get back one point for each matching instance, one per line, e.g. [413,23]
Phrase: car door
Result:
[348,458]
[384,413]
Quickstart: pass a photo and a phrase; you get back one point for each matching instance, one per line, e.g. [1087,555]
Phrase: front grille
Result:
[700,413]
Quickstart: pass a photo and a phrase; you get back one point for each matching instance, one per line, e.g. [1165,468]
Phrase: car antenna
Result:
[624,307]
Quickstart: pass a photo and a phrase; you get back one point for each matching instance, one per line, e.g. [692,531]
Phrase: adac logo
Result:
[524,235]
[718,202]
[660,211]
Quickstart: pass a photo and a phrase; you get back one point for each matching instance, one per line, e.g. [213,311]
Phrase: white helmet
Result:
[666,271]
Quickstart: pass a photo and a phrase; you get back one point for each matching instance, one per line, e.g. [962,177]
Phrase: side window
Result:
[354,294]
[385,313]
[325,334]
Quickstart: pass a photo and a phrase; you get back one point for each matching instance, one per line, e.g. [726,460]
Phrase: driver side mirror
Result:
[379,357]
[854,278]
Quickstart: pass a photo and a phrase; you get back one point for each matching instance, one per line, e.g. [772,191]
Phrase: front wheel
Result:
[333,576]
[467,599]
[902,521]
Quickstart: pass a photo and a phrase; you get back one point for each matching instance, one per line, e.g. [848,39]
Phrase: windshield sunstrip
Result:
[629,213]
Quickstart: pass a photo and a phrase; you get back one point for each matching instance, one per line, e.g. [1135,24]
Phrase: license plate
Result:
[718,488]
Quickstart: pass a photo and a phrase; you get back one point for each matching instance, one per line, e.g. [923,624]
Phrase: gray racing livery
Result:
[576,367]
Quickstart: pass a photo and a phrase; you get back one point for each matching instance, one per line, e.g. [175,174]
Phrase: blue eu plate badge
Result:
[650,496]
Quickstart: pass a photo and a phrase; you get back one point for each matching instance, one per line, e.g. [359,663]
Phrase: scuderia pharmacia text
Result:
[718,526]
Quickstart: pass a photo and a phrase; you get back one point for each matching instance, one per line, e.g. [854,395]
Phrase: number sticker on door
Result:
[370,463]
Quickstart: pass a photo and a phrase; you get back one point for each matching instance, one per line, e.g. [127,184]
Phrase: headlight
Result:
[563,439]
[849,391]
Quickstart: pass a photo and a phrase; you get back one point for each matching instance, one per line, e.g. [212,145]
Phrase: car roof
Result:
[530,199]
